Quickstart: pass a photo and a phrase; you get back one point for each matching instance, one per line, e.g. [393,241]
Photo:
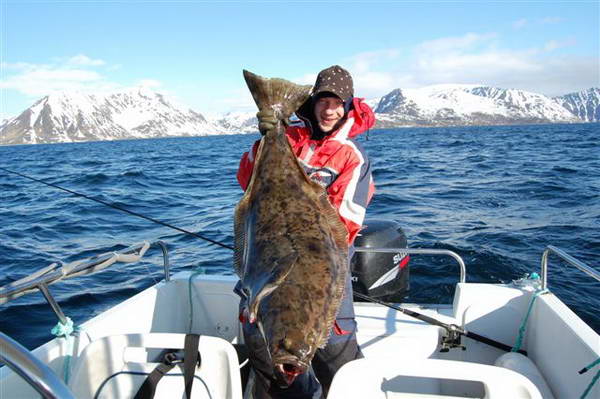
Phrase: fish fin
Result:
[339,234]
[239,234]
[279,272]
[338,230]
[279,95]
[240,222]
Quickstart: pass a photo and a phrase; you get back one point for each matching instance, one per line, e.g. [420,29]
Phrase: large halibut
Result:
[291,250]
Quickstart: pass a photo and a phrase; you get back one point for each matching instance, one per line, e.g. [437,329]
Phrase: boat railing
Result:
[567,258]
[41,279]
[37,374]
[421,251]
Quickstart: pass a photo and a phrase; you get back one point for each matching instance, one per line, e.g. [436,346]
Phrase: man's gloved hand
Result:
[266,121]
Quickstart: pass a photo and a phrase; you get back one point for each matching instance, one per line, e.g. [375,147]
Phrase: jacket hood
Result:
[363,116]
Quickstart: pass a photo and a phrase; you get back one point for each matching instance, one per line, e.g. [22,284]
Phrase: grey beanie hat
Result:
[336,80]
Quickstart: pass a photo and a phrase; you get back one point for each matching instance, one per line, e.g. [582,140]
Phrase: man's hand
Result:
[266,121]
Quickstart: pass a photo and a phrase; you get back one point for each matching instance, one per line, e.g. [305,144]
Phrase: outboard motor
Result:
[381,275]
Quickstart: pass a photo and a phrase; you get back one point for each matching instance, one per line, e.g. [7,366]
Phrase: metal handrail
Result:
[421,251]
[166,264]
[567,258]
[32,370]
[55,272]
[17,357]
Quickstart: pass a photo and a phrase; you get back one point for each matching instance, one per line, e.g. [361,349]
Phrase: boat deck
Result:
[398,349]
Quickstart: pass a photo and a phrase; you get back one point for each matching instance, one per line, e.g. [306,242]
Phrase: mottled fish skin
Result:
[289,240]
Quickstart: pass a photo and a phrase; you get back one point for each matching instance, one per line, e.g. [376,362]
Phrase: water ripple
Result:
[495,195]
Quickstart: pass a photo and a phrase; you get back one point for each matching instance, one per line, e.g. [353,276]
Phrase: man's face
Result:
[329,111]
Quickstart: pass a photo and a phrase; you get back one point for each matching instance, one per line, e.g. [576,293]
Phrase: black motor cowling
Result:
[384,276]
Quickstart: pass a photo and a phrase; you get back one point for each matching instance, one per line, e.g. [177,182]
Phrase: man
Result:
[323,142]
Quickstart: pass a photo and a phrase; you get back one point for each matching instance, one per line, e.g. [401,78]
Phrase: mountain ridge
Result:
[450,105]
[585,104]
[75,116]
[143,113]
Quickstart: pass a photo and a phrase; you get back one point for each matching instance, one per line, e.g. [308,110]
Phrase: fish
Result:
[290,245]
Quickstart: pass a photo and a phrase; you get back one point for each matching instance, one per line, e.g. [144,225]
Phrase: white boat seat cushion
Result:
[393,378]
[384,332]
[116,366]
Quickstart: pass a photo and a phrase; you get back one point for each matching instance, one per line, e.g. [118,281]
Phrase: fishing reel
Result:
[452,338]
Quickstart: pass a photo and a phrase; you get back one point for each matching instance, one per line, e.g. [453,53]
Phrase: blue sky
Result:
[194,51]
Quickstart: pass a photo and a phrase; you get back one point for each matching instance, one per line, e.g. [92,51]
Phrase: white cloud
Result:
[15,66]
[114,67]
[469,57]
[76,73]
[474,59]
[552,45]
[519,23]
[369,73]
[551,20]
[43,80]
[456,43]
[364,62]
[83,60]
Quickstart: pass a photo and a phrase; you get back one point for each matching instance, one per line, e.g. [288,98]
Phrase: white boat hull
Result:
[557,341]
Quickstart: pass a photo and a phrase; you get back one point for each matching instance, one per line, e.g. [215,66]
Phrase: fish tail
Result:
[279,95]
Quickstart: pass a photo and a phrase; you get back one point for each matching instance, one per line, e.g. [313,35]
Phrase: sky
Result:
[194,51]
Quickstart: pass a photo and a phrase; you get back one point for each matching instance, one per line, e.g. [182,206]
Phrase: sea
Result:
[496,195]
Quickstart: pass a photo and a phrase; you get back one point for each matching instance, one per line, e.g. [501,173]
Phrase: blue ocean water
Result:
[495,195]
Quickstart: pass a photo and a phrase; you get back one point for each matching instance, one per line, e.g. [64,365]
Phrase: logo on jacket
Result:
[323,176]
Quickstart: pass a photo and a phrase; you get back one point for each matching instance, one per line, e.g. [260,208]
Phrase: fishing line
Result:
[120,209]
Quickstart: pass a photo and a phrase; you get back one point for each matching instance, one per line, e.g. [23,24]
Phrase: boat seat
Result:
[395,378]
[116,366]
[409,342]
[385,332]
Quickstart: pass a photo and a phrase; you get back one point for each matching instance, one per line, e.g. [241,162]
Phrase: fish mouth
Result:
[287,371]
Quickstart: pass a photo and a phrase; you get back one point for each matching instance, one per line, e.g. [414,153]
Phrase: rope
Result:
[594,380]
[194,274]
[523,326]
[66,330]
[120,209]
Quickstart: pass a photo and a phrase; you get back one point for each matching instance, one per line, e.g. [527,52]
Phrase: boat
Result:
[509,340]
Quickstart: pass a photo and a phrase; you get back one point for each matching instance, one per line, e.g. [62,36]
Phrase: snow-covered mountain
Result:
[142,113]
[135,113]
[372,102]
[585,104]
[237,122]
[443,105]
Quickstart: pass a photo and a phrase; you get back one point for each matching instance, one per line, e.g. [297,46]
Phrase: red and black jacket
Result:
[337,162]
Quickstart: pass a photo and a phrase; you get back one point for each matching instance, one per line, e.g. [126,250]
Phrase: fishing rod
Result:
[120,209]
[454,331]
